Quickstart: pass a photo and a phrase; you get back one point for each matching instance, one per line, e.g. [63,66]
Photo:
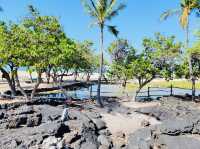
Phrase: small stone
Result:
[105,132]
[120,135]
[145,123]
[103,140]
[50,141]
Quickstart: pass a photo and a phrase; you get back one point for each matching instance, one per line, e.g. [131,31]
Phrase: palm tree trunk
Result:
[99,101]
[190,63]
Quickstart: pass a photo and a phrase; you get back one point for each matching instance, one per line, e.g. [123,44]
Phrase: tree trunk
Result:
[99,100]
[48,74]
[39,79]
[48,77]
[54,76]
[124,84]
[19,86]
[190,63]
[142,83]
[88,77]
[10,80]
[75,75]
[31,78]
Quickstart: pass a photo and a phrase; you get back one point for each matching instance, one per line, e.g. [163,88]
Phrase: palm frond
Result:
[115,12]
[169,13]
[93,5]
[110,6]
[184,17]
[92,24]
[91,10]
[33,10]
[113,30]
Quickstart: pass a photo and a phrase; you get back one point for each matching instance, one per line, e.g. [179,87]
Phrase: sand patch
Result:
[126,124]
[133,104]
[9,101]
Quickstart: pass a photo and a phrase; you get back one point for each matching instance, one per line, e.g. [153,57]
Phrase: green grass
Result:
[165,84]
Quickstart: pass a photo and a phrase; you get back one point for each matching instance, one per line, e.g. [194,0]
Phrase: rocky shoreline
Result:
[179,128]
[39,126]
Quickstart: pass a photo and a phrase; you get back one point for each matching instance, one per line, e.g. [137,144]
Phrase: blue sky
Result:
[140,19]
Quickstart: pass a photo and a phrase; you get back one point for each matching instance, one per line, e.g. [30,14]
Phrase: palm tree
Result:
[102,11]
[184,12]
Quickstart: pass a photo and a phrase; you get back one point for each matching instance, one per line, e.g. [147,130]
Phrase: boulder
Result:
[34,120]
[104,140]
[71,137]
[177,142]
[141,139]
[50,141]
[100,124]
[17,121]
[105,132]
[24,110]
[104,147]
[176,127]
[2,114]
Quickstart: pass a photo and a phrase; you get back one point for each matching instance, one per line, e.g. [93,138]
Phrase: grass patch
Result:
[165,84]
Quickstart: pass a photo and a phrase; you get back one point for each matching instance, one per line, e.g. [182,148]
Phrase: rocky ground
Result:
[168,124]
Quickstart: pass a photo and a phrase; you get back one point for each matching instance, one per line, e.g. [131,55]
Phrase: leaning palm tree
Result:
[184,12]
[102,11]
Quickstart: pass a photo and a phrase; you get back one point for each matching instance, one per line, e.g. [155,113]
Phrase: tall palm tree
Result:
[102,11]
[184,12]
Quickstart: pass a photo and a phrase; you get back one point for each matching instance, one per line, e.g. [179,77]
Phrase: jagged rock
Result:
[176,127]
[11,144]
[99,124]
[50,141]
[24,110]
[2,115]
[16,122]
[50,115]
[104,147]
[141,139]
[61,144]
[34,120]
[71,137]
[87,145]
[105,141]
[177,142]
[105,132]
[145,123]
[93,115]
[159,113]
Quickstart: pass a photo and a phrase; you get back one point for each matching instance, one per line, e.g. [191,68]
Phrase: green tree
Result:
[143,70]
[102,11]
[157,59]
[184,12]
[7,55]
[122,55]
[165,53]
[89,63]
